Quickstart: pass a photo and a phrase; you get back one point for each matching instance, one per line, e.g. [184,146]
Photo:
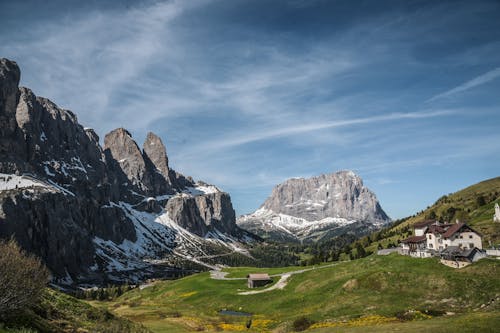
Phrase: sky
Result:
[246,94]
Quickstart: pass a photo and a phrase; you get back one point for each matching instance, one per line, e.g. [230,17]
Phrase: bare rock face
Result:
[186,213]
[123,149]
[316,208]
[339,194]
[11,148]
[9,76]
[155,150]
[204,213]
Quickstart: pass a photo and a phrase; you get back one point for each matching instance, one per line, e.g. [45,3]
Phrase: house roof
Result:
[453,229]
[258,276]
[414,239]
[456,228]
[438,229]
[425,223]
[459,252]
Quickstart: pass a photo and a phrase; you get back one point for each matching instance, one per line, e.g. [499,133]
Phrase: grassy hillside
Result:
[394,292]
[58,312]
[474,204]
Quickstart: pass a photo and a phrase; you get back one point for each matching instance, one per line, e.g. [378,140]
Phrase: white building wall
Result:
[434,242]
[420,231]
[466,240]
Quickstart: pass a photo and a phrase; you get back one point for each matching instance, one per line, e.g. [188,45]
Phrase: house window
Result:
[471,245]
[430,245]
[470,236]
[461,236]
[430,236]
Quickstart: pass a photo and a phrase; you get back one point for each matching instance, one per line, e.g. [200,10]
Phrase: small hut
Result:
[258,280]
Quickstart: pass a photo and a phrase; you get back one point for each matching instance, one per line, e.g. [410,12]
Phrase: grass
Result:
[377,286]
[242,272]
[481,217]
[470,322]
[58,312]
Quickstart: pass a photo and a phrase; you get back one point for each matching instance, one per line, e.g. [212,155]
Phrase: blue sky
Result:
[246,94]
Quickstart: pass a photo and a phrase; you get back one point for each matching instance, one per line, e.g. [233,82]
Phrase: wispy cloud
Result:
[270,133]
[87,65]
[477,81]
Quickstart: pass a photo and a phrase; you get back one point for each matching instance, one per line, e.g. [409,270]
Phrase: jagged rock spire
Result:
[124,150]
[155,150]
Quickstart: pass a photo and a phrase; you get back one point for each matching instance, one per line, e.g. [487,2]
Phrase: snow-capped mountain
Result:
[95,214]
[316,208]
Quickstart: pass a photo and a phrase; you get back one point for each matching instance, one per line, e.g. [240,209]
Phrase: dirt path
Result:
[282,282]
[220,275]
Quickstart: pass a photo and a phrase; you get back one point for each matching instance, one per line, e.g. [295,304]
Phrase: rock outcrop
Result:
[316,208]
[94,214]
[204,214]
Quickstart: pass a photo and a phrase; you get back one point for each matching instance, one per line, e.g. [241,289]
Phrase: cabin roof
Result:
[258,276]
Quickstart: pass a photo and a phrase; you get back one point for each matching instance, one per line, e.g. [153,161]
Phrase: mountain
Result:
[316,208]
[98,214]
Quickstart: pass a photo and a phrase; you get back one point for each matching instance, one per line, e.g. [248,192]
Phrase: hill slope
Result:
[473,205]
[370,291]
[58,312]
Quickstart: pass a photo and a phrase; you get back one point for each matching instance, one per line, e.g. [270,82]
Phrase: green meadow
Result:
[379,293]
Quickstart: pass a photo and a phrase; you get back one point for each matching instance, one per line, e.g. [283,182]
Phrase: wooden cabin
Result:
[258,280]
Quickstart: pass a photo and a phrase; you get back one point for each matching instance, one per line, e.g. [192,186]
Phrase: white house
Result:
[433,238]
[440,236]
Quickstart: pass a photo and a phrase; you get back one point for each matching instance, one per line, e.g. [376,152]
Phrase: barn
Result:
[258,280]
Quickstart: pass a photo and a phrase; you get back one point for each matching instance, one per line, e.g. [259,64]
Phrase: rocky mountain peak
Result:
[9,79]
[340,194]
[9,76]
[317,207]
[155,150]
[124,150]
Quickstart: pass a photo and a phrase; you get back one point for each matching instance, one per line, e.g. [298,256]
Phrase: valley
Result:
[132,245]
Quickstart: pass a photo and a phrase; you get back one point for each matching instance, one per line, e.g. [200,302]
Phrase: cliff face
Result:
[339,194]
[83,208]
[204,213]
[316,208]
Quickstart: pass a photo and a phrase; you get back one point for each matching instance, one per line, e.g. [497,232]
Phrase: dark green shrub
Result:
[302,324]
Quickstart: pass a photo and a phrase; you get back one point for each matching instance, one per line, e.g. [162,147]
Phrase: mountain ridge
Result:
[96,214]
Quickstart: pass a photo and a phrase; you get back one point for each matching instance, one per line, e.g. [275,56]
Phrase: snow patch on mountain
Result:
[12,182]
[201,189]
[159,240]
